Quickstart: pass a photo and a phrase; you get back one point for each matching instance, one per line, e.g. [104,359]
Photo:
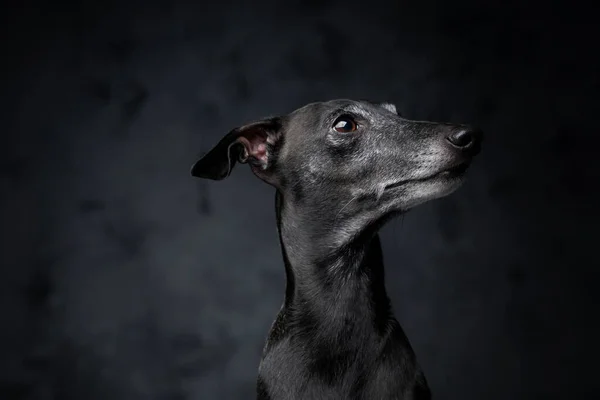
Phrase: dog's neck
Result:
[333,290]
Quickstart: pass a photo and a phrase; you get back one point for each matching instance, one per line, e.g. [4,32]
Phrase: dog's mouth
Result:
[454,172]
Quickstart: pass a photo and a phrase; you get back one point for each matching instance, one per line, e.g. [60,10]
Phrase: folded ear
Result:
[389,106]
[254,143]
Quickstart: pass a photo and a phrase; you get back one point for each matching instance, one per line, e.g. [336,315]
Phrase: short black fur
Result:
[335,336]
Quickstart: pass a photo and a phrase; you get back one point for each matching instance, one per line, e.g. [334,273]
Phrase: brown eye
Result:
[345,124]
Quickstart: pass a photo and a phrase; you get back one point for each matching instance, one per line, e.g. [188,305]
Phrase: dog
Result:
[342,169]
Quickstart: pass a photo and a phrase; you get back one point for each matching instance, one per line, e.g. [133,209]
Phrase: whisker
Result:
[346,205]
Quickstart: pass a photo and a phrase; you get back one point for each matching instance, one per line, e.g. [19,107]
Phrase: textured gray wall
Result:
[124,278]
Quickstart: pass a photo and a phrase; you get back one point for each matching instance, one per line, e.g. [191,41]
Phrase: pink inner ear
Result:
[255,146]
[261,152]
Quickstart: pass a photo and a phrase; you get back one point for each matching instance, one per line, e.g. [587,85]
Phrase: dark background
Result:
[124,278]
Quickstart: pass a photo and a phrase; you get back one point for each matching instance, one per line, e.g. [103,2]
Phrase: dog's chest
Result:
[288,373]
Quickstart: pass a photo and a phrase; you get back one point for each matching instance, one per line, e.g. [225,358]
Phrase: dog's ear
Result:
[389,106]
[255,143]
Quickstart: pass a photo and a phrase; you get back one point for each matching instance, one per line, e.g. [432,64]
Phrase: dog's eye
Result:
[345,124]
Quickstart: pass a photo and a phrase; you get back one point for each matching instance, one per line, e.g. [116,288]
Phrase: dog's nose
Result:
[467,140]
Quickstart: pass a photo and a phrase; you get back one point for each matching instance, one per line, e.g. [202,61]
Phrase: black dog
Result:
[341,169]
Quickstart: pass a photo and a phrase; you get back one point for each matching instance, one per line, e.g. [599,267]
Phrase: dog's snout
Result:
[462,138]
[466,139]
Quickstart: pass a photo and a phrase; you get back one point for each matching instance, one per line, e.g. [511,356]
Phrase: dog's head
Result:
[348,160]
